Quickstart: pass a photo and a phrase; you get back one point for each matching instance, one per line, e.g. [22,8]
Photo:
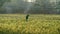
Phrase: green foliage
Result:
[3,1]
[37,24]
[38,7]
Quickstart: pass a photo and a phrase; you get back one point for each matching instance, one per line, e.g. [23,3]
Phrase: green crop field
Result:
[37,24]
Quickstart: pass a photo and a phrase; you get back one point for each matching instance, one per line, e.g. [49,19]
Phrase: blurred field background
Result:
[44,16]
[37,24]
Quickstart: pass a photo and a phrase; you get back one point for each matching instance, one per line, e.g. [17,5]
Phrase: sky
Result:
[34,0]
[30,0]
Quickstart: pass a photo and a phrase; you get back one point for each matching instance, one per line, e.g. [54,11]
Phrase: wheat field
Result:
[37,24]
